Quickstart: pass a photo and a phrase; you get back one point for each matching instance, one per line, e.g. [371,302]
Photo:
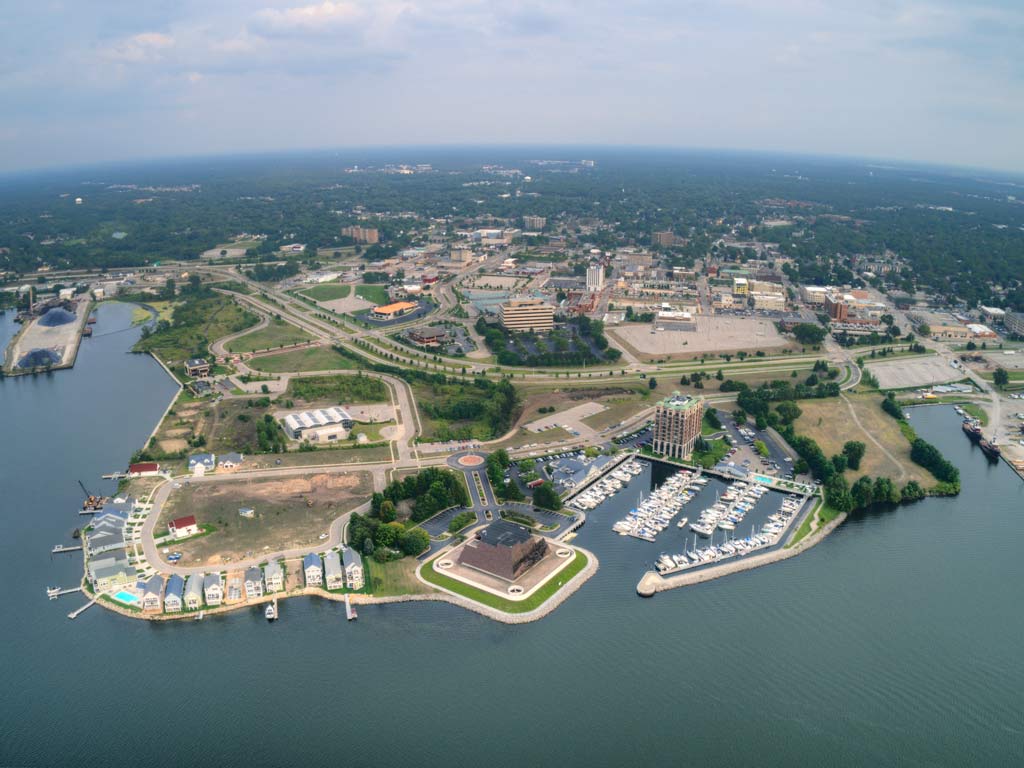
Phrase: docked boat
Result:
[270,612]
[972,429]
[683,523]
[991,450]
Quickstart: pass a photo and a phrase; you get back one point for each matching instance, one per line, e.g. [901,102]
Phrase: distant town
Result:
[420,406]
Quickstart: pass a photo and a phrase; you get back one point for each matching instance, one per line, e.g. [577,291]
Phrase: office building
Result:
[527,315]
[595,277]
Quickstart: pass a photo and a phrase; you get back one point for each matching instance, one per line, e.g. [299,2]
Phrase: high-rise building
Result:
[664,239]
[677,424]
[527,315]
[837,308]
[1014,322]
[534,223]
[368,235]
[595,277]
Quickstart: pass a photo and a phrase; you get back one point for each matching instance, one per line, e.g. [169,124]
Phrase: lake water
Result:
[895,642]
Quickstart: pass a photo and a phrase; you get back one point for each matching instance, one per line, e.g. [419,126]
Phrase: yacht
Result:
[682,523]
[270,612]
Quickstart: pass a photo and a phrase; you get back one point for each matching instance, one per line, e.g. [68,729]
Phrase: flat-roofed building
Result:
[428,337]
[664,239]
[595,277]
[527,315]
[322,425]
[368,235]
[1014,322]
[722,301]
[775,302]
[535,223]
[392,311]
[677,424]
[813,294]
[740,286]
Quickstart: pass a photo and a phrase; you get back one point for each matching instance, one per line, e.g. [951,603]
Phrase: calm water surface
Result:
[895,642]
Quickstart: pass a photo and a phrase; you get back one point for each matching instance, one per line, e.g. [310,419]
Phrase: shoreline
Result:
[360,598]
[68,357]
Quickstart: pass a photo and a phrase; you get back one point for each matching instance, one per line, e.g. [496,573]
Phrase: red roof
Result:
[183,522]
[145,466]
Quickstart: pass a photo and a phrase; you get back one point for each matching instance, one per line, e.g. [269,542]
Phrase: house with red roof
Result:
[144,469]
[183,527]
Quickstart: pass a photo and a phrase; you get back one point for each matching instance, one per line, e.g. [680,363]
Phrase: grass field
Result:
[535,600]
[198,321]
[308,359]
[830,423]
[378,294]
[395,578]
[278,333]
[289,512]
[327,292]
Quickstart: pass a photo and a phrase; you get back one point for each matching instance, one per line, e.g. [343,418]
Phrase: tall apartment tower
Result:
[595,277]
[534,223]
[677,423]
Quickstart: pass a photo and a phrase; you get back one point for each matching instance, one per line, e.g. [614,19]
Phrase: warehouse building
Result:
[319,426]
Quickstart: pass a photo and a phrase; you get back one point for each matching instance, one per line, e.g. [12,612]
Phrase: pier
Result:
[61,548]
[350,611]
[54,592]
[78,611]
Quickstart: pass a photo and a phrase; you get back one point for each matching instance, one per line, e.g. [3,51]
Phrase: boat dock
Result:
[350,611]
[62,548]
[54,592]
[75,613]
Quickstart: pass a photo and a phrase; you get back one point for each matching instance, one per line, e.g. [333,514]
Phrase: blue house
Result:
[201,462]
[174,596]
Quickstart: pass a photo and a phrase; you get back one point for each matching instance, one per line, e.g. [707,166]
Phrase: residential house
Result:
[353,564]
[334,576]
[235,588]
[213,590]
[110,570]
[253,582]
[230,461]
[174,594]
[313,570]
[144,469]
[194,592]
[153,593]
[183,527]
[106,535]
[273,574]
[200,463]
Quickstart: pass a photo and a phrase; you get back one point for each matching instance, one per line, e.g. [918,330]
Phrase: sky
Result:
[932,81]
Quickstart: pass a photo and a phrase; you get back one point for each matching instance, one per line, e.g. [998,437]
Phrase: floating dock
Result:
[350,610]
[54,592]
[61,548]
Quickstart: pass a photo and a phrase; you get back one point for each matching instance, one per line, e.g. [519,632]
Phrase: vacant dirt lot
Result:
[917,372]
[831,422]
[714,334]
[288,513]
[572,417]
[350,303]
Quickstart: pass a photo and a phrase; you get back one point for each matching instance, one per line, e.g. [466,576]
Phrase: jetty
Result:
[62,548]
[54,592]
[78,611]
[350,610]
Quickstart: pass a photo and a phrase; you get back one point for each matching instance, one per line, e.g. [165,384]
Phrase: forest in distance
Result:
[961,233]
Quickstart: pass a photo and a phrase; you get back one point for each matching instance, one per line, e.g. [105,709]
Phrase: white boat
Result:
[270,612]
[682,523]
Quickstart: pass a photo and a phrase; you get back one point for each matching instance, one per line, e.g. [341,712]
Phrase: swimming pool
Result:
[126,597]
[763,479]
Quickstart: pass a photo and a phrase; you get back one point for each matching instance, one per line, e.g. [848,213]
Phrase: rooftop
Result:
[504,534]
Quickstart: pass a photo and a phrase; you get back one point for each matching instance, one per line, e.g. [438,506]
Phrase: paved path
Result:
[885,451]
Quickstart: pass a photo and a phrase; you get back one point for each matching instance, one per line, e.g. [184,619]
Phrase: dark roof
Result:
[504,534]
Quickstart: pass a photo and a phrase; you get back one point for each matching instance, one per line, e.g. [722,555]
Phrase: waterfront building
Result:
[273,575]
[110,571]
[334,576]
[677,424]
[153,593]
[174,594]
[527,315]
[504,549]
[213,589]
[253,582]
[235,588]
[353,565]
[313,570]
[322,425]
[144,469]
[595,277]
[107,534]
[194,592]
[393,311]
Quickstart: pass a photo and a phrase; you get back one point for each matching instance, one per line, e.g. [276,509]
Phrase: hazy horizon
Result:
[933,82]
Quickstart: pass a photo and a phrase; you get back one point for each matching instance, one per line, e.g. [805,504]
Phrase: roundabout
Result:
[467,461]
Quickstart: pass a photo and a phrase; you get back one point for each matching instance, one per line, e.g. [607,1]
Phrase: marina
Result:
[606,486]
[655,513]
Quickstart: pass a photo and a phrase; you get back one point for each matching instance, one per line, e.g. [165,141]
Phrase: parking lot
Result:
[570,420]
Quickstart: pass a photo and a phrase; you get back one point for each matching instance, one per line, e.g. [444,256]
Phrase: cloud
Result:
[144,46]
[318,17]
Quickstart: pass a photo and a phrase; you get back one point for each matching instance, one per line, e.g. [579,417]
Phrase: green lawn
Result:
[975,411]
[535,600]
[395,578]
[278,333]
[308,359]
[715,453]
[327,292]
[378,294]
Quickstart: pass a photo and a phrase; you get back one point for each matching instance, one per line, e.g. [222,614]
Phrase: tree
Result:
[788,411]
[388,534]
[839,463]
[414,541]
[387,512]
[809,333]
[863,493]
[544,496]
[739,416]
[853,450]
[800,467]
[652,383]
[367,546]
[1000,377]
[924,330]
